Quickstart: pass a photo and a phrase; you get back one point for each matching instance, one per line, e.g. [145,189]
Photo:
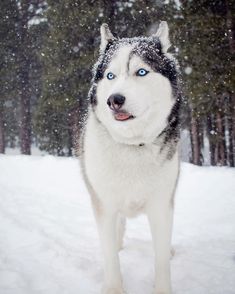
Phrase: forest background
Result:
[48,48]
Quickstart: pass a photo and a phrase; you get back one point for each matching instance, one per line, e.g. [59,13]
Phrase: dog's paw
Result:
[113,291]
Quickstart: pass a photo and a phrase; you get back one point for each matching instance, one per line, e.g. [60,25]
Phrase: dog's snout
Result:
[116,101]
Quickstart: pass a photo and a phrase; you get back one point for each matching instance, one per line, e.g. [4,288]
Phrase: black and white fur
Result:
[130,148]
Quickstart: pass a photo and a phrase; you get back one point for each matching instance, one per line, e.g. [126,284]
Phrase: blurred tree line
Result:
[48,48]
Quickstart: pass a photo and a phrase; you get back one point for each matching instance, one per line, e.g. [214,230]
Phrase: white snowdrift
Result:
[49,243]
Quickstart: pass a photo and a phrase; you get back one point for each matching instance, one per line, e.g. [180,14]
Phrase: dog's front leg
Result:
[107,226]
[160,216]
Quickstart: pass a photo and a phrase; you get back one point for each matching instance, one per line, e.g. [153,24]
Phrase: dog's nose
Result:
[116,101]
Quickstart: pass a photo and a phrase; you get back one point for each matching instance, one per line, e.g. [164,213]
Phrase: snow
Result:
[49,243]
[16,151]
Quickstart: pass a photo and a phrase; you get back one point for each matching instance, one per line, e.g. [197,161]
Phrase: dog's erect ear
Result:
[106,36]
[163,35]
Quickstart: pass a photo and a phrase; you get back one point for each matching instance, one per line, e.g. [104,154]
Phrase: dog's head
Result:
[134,86]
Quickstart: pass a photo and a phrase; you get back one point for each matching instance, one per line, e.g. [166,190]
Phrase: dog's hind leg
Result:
[121,228]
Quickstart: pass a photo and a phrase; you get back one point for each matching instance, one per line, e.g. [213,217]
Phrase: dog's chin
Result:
[127,129]
[134,129]
[131,128]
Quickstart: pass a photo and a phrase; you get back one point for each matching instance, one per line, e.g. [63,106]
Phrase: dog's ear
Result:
[106,36]
[163,35]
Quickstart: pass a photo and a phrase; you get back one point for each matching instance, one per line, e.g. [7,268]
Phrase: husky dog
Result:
[130,146]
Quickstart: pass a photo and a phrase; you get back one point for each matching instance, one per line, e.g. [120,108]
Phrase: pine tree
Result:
[8,16]
[206,62]
[28,12]
[230,23]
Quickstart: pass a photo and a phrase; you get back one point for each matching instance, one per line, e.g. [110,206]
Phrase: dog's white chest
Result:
[125,176]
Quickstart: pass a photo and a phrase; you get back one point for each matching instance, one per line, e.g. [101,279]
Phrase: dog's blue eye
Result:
[110,76]
[142,72]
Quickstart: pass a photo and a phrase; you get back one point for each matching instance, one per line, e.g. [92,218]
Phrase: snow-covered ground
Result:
[49,243]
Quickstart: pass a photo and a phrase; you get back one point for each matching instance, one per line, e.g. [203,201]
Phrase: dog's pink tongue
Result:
[122,116]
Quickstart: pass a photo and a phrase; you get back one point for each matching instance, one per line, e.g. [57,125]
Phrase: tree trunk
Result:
[221,138]
[230,134]
[2,137]
[24,83]
[224,139]
[211,137]
[232,105]
[25,117]
[233,123]
[230,22]
[195,141]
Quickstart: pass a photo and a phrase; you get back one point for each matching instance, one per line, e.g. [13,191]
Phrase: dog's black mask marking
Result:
[148,48]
